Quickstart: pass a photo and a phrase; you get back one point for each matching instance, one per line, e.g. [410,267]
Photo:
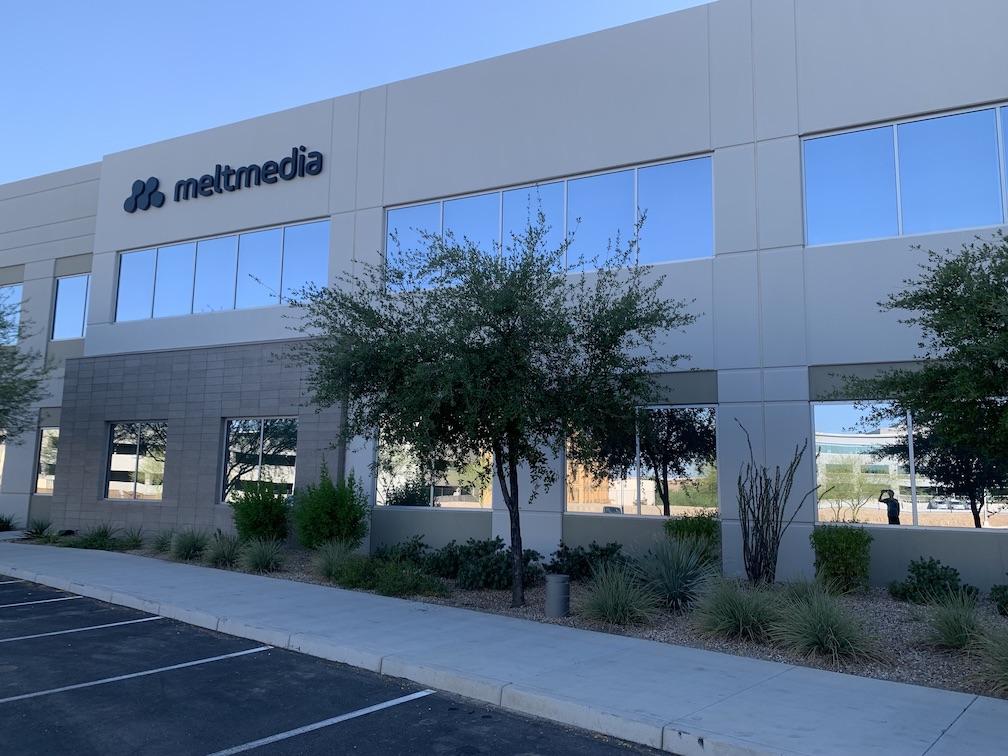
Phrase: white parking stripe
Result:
[323,723]
[9,582]
[134,674]
[40,601]
[78,629]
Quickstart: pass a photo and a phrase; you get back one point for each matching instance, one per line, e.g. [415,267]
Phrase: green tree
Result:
[957,394]
[464,353]
[23,373]
[846,484]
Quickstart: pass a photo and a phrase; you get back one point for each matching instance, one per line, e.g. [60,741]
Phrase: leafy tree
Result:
[23,373]
[957,395]
[464,353]
[845,483]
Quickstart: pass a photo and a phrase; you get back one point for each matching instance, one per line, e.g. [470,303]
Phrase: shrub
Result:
[704,528]
[162,541]
[728,609]
[615,596]
[675,570]
[814,623]
[954,620]
[486,565]
[800,590]
[926,581]
[842,555]
[331,511]
[999,595]
[444,562]
[260,511]
[412,493]
[405,579]
[7,522]
[413,551]
[580,563]
[101,537]
[224,550]
[328,559]
[262,555]
[38,527]
[188,545]
[132,539]
[358,572]
[990,661]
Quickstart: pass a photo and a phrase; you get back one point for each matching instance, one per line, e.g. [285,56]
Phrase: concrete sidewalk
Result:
[683,700]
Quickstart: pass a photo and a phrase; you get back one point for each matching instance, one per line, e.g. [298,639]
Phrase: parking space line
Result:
[40,601]
[134,674]
[323,723]
[9,582]
[79,629]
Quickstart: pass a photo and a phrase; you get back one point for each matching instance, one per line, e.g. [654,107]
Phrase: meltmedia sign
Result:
[224,178]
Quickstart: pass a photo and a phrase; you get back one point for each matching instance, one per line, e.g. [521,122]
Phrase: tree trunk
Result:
[663,488]
[975,507]
[507,476]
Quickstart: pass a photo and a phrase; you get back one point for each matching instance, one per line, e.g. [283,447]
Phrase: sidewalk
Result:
[684,700]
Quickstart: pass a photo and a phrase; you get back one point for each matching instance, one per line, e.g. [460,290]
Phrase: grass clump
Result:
[728,609]
[101,537]
[703,528]
[814,623]
[999,595]
[405,579]
[39,527]
[328,559]
[842,555]
[161,543]
[262,555]
[7,523]
[188,545]
[676,570]
[358,572]
[615,596]
[260,511]
[132,539]
[954,621]
[224,550]
[990,661]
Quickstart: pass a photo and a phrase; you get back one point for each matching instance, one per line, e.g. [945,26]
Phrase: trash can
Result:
[557,595]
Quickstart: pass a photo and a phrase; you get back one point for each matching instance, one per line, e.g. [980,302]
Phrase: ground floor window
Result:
[259,449]
[48,445]
[136,460]
[406,480]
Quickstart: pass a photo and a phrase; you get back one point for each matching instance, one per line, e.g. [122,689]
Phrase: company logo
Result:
[145,194]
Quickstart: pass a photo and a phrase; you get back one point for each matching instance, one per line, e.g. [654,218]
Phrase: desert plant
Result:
[729,609]
[444,562]
[38,527]
[331,511]
[262,555]
[260,511]
[328,559]
[406,579]
[762,502]
[486,565]
[412,551]
[51,537]
[101,537]
[132,539]
[411,493]
[358,572]
[927,581]
[704,528]
[802,589]
[7,522]
[999,595]
[990,658]
[188,545]
[162,542]
[224,550]
[579,563]
[615,596]
[675,570]
[842,554]
[954,620]
[814,623]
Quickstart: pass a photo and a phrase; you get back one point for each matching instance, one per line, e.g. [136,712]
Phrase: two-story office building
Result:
[790,154]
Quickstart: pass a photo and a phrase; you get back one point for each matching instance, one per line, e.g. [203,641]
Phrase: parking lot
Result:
[78,676]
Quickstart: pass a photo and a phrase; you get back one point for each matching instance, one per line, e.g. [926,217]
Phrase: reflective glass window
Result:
[260,450]
[850,186]
[520,211]
[136,461]
[70,317]
[259,255]
[949,172]
[405,224]
[10,313]
[305,257]
[173,289]
[678,201]
[598,209]
[216,264]
[136,285]
[48,447]
[474,218]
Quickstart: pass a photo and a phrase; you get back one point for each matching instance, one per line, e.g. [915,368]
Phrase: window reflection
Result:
[260,450]
[70,316]
[305,257]
[10,305]
[520,211]
[598,209]
[678,200]
[949,176]
[136,285]
[474,218]
[405,480]
[48,447]
[174,282]
[136,461]
[407,223]
[259,256]
[214,288]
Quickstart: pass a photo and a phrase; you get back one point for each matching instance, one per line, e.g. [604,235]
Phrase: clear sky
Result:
[79,80]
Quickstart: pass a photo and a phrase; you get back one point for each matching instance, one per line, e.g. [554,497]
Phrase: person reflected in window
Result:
[888,497]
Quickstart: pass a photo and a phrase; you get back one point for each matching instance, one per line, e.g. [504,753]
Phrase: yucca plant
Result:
[954,620]
[814,623]
[262,555]
[675,570]
[189,545]
[329,558]
[132,538]
[224,550]
[38,527]
[162,541]
[101,536]
[614,595]
[729,609]
[7,522]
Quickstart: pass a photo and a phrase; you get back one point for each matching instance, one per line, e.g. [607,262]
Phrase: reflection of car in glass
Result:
[947,504]
[937,504]
[611,510]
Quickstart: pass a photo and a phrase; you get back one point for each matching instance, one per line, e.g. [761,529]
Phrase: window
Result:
[259,449]
[136,461]
[48,446]
[599,208]
[10,314]
[70,318]
[254,269]
[678,200]
[405,480]
[520,207]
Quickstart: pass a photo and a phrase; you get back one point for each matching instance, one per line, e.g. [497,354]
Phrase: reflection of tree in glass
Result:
[260,450]
[48,451]
[846,485]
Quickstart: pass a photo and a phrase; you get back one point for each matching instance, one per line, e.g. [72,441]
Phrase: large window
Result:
[406,480]
[70,317]
[10,314]
[48,448]
[136,461]
[676,198]
[254,269]
[259,450]
[933,174]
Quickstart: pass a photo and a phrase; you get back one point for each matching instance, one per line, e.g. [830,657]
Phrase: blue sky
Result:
[79,80]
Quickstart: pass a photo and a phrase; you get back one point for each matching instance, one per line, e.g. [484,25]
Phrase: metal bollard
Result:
[557,595]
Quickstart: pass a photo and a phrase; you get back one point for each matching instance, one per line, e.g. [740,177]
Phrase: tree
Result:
[23,373]
[464,353]
[957,394]
[846,484]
